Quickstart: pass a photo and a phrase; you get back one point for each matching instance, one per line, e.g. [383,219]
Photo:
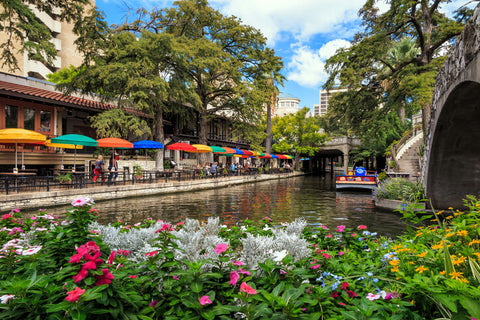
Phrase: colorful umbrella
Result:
[265,156]
[290,157]
[49,143]
[147,144]
[226,150]
[237,151]
[256,153]
[114,143]
[182,147]
[274,156]
[76,140]
[20,136]
[201,148]
[216,149]
[281,156]
[247,152]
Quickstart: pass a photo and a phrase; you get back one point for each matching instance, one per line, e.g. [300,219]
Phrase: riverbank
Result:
[64,197]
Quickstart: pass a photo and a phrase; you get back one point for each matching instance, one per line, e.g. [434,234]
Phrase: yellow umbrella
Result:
[49,143]
[256,153]
[201,148]
[20,136]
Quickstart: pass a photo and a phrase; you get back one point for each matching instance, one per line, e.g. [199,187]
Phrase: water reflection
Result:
[311,197]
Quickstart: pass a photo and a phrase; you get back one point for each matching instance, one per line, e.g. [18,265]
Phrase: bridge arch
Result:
[451,166]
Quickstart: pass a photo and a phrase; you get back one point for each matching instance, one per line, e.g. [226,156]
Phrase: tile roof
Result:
[54,97]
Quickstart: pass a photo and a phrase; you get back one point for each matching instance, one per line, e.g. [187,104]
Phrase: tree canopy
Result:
[297,134]
[391,66]
[21,25]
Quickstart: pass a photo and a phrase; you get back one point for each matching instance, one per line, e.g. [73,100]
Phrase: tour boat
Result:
[360,179]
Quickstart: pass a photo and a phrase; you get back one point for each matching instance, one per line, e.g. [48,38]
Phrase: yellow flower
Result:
[421,255]
[456,275]
[439,212]
[394,262]
[420,233]
[449,217]
[438,246]
[458,261]
[442,272]
[448,229]
[448,235]
[478,255]
[398,246]
[403,250]
[411,262]
[394,269]
[463,280]
[474,241]
[421,269]
[450,208]
[462,233]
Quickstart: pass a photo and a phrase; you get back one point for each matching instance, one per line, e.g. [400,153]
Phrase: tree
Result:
[226,61]
[381,72]
[26,33]
[135,70]
[297,134]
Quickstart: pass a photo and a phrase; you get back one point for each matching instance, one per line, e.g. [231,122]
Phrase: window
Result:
[45,121]
[11,116]
[29,119]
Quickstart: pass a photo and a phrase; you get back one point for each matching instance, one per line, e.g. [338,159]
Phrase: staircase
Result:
[407,157]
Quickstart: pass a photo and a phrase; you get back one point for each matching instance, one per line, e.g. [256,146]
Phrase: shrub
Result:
[400,189]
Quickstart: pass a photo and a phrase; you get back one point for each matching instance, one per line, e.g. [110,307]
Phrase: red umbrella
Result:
[281,156]
[227,151]
[266,156]
[114,143]
[247,152]
[182,147]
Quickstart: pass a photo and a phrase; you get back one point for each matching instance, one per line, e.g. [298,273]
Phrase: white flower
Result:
[4,299]
[314,236]
[243,228]
[31,251]
[266,228]
[279,255]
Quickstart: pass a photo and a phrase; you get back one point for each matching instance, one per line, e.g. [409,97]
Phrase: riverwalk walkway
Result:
[44,199]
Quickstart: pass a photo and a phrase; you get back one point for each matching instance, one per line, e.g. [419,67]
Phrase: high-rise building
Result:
[63,38]
[287,104]
[325,95]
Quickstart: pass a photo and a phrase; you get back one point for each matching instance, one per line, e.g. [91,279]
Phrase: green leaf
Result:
[447,300]
[472,306]
[208,314]
[196,287]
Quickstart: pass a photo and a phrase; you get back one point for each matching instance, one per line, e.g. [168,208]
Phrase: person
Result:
[214,169]
[232,169]
[99,169]
[113,168]
[206,170]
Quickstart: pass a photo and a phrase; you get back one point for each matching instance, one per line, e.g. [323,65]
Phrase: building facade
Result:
[287,104]
[322,108]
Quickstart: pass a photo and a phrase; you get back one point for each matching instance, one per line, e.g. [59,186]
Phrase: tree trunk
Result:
[268,142]
[202,135]
[401,114]
[159,136]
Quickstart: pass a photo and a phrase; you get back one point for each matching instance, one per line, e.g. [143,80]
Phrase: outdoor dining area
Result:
[184,163]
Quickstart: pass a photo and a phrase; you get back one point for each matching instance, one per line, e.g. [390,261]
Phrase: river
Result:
[311,197]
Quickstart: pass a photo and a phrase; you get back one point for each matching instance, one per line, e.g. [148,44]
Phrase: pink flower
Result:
[153,303]
[176,277]
[16,210]
[15,230]
[315,266]
[351,294]
[328,236]
[74,295]
[123,252]
[340,228]
[79,202]
[342,304]
[238,263]
[323,227]
[372,296]
[362,227]
[344,285]
[283,272]
[105,278]
[111,257]
[244,271]
[6,216]
[91,246]
[151,254]
[205,300]
[244,287]
[133,276]
[341,253]
[334,294]
[180,223]
[165,227]
[353,235]
[82,274]
[234,278]
[266,218]
[222,247]
[326,256]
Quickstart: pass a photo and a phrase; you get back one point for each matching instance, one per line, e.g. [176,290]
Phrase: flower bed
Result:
[191,270]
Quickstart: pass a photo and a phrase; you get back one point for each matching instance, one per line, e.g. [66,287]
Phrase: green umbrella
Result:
[76,140]
[217,149]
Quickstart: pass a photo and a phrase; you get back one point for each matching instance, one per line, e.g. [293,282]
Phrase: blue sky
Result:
[305,33]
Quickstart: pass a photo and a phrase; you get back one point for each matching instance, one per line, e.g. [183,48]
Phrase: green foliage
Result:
[400,189]
[297,134]
[116,123]
[65,178]
[138,170]
[21,25]
[382,176]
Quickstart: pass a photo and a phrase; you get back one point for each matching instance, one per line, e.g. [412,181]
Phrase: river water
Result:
[311,197]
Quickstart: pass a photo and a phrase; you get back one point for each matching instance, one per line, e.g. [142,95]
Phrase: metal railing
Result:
[83,180]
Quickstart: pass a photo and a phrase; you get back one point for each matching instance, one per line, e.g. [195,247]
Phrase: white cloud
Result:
[301,19]
[307,65]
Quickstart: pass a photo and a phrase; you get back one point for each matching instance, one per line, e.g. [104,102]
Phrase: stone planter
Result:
[393,205]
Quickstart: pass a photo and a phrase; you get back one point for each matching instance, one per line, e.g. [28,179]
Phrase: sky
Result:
[304,33]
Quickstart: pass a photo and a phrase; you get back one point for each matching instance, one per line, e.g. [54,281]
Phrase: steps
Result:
[408,158]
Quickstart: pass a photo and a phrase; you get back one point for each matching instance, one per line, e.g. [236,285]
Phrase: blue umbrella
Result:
[147,144]
[274,156]
[238,151]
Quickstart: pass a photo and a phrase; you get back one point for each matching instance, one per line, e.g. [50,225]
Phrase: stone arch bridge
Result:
[451,162]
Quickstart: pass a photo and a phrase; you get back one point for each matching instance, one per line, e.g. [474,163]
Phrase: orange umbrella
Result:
[114,143]
[227,151]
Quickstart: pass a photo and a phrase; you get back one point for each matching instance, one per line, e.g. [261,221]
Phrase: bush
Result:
[154,270]
[400,189]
